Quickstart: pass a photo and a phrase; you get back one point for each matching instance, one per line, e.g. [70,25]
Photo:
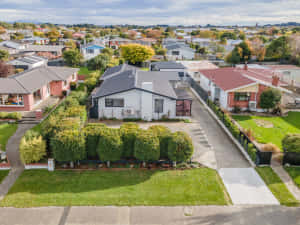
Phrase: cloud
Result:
[142,12]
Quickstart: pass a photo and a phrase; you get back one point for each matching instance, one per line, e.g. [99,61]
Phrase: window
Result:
[114,102]
[175,52]
[65,83]
[11,100]
[90,51]
[159,105]
[241,96]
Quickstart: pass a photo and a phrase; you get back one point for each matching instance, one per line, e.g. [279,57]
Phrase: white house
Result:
[91,50]
[179,52]
[131,93]
[28,62]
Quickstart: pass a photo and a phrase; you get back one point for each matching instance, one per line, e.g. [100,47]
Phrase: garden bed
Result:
[121,188]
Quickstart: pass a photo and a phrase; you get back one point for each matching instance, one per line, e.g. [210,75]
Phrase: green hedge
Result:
[180,147]
[13,115]
[93,133]
[146,147]
[128,134]
[163,133]
[80,96]
[76,111]
[291,143]
[68,145]
[32,149]
[110,145]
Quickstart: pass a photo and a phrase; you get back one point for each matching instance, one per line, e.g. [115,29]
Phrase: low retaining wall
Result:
[5,166]
[48,166]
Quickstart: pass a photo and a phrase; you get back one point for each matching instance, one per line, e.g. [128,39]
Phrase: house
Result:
[165,66]
[130,93]
[91,50]
[24,91]
[55,50]
[36,40]
[179,52]
[28,62]
[115,43]
[291,73]
[78,35]
[239,87]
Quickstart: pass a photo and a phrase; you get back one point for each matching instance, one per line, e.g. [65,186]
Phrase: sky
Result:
[151,12]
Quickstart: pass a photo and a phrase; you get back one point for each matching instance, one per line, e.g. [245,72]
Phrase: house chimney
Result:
[275,80]
[246,66]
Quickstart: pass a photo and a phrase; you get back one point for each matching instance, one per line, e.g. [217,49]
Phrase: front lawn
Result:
[294,173]
[132,187]
[276,186]
[3,174]
[270,129]
[6,131]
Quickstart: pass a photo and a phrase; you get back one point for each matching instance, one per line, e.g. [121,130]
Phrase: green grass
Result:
[276,186]
[6,131]
[3,174]
[144,69]
[84,71]
[281,127]
[294,173]
[132,187]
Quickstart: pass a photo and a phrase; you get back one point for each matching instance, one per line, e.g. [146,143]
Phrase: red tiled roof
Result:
[227,78]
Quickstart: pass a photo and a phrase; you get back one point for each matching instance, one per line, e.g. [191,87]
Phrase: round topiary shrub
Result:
[110,145]
[180,147]
[291,143]
[68,146]
[146,147]
[93,133]
[163,133]
[128,134]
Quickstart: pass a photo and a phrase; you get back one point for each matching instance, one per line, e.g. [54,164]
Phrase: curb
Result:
[239,146]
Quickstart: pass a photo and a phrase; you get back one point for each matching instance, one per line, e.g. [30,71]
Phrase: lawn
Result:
[84,71]
[294,173]
[275,128]
[132,187]
[3,174]
[6,131]
[276,186]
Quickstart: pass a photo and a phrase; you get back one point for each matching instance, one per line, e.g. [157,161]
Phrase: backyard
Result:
[129,187]
[270,129]
[6,131]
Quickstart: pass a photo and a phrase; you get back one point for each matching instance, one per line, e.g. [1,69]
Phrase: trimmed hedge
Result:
[146,147]
[128,134]
[80,96]
[77,111]
[32,149]
[13,115]
[291,143]
[180,147]
[68,145]
[110,145]
[93,133]
[163,133]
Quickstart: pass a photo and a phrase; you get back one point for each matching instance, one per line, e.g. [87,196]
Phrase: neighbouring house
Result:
[145,41]
[239,87]
[126,92]
[291,73]
[55,50]
[179,52]
[91,50]
[165,66]
[78,35]
[115,43]
[26,90]
[28,62]
[36,40]
[12,47]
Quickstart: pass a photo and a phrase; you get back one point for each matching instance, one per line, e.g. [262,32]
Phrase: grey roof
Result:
[117,69]
[44,48]
[133,79]
[32,80]
[27,60]
[168,65]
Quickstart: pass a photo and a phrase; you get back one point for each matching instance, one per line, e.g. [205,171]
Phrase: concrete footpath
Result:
[206,215]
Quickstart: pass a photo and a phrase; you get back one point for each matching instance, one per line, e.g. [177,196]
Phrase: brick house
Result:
[241,87]
[24,91]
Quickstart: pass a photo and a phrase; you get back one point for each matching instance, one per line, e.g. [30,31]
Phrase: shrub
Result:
[110,145]
[73,86]
[180,147]
[93,133]
[64,93]
[48,126]
[30,134]
[32,149]
[291,143]
[70,123]
[68,145]
[146,147]
[70,102]
[270,147]
[270,98]
[163,134]
[13,115]
[252,152]
[128,134]
[80,96]
[77,111]
[236,109]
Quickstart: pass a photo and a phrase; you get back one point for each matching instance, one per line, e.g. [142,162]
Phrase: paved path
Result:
[196,215]
[12,150]
[245,186]
[287,180]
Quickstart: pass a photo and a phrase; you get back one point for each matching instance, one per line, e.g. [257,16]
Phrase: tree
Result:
[72,57]
[108,51]
[70,44]
[53,35]
[241,53]
[279,49]
[3,55]
[233,58]
[99,62]
[136,53]
[258,49]
[270,98]
[6,69]
[229,35]
[67,34]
